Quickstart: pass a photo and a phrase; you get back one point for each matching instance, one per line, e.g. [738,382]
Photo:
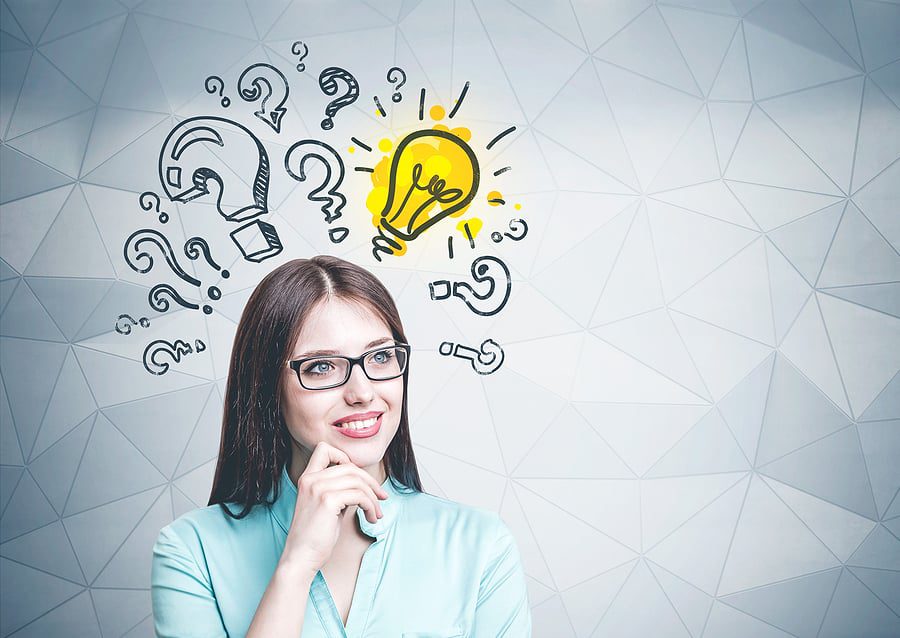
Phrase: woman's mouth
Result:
[361,429]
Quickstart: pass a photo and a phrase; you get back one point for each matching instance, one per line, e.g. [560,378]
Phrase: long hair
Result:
[255,442]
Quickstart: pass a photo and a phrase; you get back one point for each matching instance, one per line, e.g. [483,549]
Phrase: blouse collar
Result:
[283,508]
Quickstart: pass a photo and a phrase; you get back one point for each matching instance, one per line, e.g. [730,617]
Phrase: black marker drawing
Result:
[328,83]
[487,360]
[459,100]
[484,269]
[497,237]
[158,299]
[295,49]
[500,136]
[195,154]
[134,253]
[265,83]
[454,198]
[175,350]
[361,144]
[148,200]
[469,235]
[195,246]
[381,243]
[396,74]
[125,321]
[422,105]
[500,171]
[380,108]
[332,200]
[214,81]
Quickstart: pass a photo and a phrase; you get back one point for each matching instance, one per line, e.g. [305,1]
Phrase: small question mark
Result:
[392,76]
[124,327]
[481,271]
[175,350]
[157,295]
[497,237]
[295,49]
[259,77]
[211,82]
[488,360]
[332,201]
[193,248]
[148,200]
[328,83]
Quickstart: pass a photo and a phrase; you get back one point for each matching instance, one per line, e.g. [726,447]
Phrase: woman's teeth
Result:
[358,425]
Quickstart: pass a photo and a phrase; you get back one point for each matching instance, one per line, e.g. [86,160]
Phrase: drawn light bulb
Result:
[433,173]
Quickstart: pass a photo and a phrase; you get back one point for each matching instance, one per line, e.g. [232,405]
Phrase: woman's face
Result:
[348,329]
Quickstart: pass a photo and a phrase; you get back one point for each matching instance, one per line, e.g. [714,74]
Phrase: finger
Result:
[339,501]
[323,455]
[354,470]
[349,482]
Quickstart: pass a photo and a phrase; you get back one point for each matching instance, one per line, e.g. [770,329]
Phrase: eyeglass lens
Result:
[380,365]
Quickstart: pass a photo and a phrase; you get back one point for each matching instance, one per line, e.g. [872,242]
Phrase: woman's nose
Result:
[359,388]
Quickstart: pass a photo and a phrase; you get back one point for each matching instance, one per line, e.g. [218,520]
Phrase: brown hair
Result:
[255,442]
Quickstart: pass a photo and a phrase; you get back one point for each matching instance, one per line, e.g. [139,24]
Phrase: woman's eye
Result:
[385,356]
[319,367]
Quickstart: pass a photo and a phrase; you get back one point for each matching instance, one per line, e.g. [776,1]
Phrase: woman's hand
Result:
[324,495]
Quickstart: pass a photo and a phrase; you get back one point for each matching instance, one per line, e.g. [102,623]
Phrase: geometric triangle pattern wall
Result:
[696,427]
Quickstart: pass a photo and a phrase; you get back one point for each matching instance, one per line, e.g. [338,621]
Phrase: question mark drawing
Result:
[175,350]
[193,248]
[257,78]
[134,254]
[148,200]
[394,74]
[487,360]
[211,83]
[124,327]
[332,201]
[328,83]
[295,49]
[484,269]
[194,156]
[497,237]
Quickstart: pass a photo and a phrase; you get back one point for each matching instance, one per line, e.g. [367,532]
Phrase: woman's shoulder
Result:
[198,526]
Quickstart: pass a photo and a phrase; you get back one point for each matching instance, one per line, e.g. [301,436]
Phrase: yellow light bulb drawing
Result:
[432,174]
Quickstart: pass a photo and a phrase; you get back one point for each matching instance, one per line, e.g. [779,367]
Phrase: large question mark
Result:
[253,80]
[328,83]
[392,76]
[148,200]
[332,201]
[157,295]
[487,360]
[295,49]
[175,350]
[214,81]
[192,156]
[484,304]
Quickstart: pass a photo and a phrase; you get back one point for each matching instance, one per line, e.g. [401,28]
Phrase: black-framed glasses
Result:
[325,372]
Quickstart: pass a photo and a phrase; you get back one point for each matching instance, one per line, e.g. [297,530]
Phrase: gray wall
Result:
[695,428]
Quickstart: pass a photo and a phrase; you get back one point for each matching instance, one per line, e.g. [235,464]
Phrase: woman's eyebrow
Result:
[319,353]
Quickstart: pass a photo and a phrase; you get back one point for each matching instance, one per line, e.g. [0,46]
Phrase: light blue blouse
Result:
[437,569]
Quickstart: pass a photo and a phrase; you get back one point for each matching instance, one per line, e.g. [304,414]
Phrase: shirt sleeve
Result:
[502,609]
[183,600]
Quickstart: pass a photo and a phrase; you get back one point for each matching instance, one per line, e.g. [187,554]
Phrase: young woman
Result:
[317,525]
